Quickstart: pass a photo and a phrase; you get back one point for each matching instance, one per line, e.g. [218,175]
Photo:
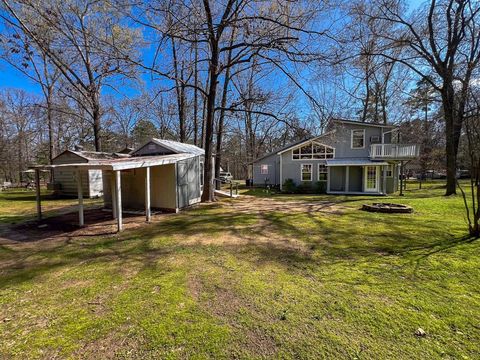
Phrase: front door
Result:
[371,178]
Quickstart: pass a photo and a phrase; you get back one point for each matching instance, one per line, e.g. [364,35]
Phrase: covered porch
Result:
[135,182]
[360,177]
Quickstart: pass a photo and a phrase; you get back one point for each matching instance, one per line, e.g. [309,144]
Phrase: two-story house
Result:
[349,158]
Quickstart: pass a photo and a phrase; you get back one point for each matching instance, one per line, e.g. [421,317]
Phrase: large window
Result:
[322,172]
[264,169]
[358,139]
[313,151]
[306,172]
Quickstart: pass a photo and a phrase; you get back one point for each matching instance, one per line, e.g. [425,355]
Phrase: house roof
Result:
[93,155]
[354,122]
[123,163]
[178,147]
[354,162]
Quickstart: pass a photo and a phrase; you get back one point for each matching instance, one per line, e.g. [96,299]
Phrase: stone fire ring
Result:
[387,208]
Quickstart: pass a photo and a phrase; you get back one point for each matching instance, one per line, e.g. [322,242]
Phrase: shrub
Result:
[289,186]
[321,187]
[305,188]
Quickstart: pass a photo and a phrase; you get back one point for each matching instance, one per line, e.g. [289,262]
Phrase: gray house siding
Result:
[291,169]
[273,176]
[339,137]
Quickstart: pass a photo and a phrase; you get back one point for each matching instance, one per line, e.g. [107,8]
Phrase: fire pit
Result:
[387,208]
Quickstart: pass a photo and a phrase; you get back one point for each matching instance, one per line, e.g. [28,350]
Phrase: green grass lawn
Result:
[217,282]
[20,204]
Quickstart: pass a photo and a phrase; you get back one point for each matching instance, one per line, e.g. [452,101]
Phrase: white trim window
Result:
[358,139]
[264,169]
[322,173]
[306,172]
[313,151]
[389,171]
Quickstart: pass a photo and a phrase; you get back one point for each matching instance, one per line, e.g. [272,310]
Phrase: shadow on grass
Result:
[294,240]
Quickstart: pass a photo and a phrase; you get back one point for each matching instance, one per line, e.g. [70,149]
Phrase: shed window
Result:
[306,172]
[151,146]
[358,139]
[264,169]
[313,151]
[322,172]
[201,173]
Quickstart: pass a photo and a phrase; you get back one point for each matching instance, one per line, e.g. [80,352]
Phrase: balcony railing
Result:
[394,151]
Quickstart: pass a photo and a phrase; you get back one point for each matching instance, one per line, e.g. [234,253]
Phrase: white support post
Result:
[118,191]
[328,179]
[37,194]
[147,194]
[113,194]
[384,174]
[347,178]
[80,198]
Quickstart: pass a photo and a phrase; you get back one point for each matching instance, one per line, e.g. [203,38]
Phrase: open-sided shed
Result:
[167,178]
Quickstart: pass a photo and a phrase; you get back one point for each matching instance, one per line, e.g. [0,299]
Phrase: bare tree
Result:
[85,43]
[441,44]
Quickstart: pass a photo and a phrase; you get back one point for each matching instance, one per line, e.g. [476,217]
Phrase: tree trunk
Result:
[96,122]
[195,99]
[207,194]
[452,132]
[51,147]
[223,105]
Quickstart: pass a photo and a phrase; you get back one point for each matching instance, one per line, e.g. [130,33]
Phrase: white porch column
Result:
[384,174]
[118,191]
[328,179]
[37,194]
[347,178]
[147,193]
[113,194]
[80,198]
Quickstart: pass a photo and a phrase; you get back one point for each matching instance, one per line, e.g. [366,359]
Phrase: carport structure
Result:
[181,171]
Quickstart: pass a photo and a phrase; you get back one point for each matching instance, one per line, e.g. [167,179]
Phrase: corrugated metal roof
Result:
[123,163]
[354,162]
[179,147]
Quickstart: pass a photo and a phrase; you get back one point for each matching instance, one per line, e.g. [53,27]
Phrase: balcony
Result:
[394,151]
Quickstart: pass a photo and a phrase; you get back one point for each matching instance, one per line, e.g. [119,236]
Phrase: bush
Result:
[289,186]
[305,188]
[321,187]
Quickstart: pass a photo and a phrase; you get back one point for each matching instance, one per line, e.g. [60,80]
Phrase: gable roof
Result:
[175,146]
[93,155]
[354,122]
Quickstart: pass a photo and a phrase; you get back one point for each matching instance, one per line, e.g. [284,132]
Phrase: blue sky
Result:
[12,78]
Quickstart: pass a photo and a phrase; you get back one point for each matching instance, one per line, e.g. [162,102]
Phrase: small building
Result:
[64,182]
[160,175]
[351,157]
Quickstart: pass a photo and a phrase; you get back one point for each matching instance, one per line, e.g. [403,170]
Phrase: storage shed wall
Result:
[188,182]
[67,178]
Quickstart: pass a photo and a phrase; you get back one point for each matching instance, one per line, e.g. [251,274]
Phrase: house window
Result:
[389,171]
[313,151]
[322,172]
[306,172]
[358,139]
[264,169]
